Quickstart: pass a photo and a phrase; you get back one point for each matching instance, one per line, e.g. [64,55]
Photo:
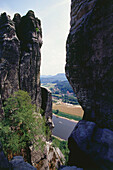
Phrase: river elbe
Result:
[63,127]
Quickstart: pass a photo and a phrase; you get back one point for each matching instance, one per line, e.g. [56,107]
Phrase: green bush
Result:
[21,125]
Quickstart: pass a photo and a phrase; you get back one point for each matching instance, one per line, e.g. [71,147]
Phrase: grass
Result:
[63,146]
[66,115]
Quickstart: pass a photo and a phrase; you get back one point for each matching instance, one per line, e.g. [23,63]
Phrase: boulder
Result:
[4,163]
[18,163]
[91,147]
[69,168]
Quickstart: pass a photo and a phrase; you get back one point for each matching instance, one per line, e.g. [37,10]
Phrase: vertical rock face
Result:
[20,43]
[46,107]
[30,35]
[89,66]
[9,57]
[46,102]
[89,69]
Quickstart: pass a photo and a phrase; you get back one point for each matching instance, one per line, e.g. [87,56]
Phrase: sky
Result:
[55,20]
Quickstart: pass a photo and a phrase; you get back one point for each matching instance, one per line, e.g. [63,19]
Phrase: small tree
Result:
[57,111]
[21,126]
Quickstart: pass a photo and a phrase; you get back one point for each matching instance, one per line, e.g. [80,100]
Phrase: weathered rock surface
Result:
[29,33]
[20,43]
[20,57]
[70,168]
[89,66]
[92,145]
[89,69]
[46,102]
[17,163]
[52,158]
[47,106]
[9,58]
[4,163]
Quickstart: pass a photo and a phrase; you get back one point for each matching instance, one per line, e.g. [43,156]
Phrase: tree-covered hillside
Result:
[60,88]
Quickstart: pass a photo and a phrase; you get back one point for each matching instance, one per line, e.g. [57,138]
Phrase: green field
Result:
[66,115]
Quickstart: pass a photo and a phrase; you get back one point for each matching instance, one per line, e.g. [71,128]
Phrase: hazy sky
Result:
[55,19]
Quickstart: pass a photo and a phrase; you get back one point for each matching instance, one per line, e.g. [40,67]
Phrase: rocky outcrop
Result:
[29,32]
[51,158]
[70,168]
[20,57]
[92,145]
[20,43]
[47,106]
[17,163]
[4,163]
[9,58]
[89,68]
[89,64]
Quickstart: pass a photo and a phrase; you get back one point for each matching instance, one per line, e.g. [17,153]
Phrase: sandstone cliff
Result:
[46,106]
[20,58]
[20,43]
[89,69]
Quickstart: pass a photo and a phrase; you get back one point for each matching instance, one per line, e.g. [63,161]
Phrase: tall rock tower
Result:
[20,44]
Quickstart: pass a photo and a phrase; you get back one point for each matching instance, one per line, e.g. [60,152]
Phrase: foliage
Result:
[37,29]
[64,86]
[62,90]
[69,116]
[63,146]
[66,98]
[21,126]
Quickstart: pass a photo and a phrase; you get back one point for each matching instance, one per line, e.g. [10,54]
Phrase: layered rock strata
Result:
[20,43]
[89,68]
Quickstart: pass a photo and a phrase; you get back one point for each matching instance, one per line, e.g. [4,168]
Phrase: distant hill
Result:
[52,79]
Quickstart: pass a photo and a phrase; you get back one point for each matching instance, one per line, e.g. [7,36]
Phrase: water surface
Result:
[63,127]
